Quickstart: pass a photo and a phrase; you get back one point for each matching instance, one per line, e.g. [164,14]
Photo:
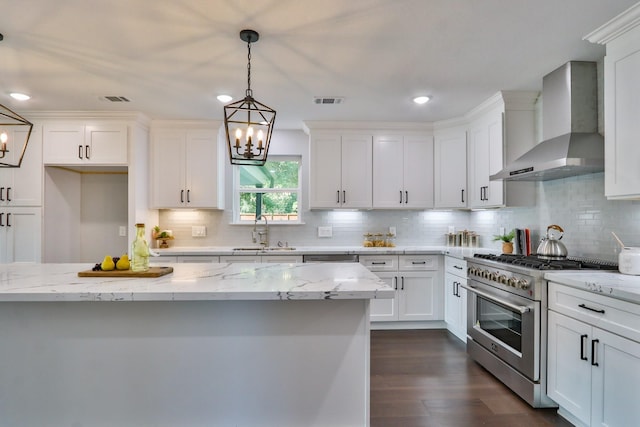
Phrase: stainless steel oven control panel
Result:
[517,283]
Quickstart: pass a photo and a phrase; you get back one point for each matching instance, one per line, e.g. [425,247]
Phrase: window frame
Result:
[236,190]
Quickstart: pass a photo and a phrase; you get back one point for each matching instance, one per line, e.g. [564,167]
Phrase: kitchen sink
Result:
[261,249]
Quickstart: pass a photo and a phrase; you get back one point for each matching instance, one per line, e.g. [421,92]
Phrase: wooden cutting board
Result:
[152,272]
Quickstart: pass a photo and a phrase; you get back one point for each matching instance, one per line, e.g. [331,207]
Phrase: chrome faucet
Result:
[261,235]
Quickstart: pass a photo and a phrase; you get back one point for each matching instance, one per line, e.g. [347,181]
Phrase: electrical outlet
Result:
[326,231]
[122,232]
[392,230]
[198,231]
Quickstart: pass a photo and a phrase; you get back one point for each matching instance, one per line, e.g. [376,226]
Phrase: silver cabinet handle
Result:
[519,308]
[80,151]
[87,152]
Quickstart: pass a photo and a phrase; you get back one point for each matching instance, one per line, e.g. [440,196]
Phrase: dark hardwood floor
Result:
[424,378]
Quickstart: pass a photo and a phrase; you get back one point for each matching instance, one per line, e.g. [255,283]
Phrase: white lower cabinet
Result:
[455,296]
[197,258]
[593,374]
[264,258]
[20,234]
[416,281]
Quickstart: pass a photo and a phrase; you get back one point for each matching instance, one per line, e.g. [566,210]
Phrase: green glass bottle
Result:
[140,250]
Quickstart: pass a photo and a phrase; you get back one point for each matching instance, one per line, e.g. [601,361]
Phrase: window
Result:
[272,190]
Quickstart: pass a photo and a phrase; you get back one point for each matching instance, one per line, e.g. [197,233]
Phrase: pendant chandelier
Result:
[14,137]
[248,123]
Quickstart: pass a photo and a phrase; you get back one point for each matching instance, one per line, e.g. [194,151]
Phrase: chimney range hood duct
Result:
[572,145]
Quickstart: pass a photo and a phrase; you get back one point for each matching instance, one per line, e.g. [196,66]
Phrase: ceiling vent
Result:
[328,100]
[112,98]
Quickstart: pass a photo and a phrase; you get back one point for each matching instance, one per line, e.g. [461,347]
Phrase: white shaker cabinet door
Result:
[569,368]
[23,186]
[201,169]
[388,175]
[382,310]
[418,174]
[326,171]
[64,144]
[21,235]
[107,144]
[450,170]
[168,169]
[357,153]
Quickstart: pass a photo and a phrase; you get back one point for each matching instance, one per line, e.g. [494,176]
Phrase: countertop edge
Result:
[611,284]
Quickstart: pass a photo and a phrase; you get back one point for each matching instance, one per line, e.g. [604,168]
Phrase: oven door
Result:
[507,325]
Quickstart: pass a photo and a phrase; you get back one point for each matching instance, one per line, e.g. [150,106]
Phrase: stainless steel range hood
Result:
[572,145]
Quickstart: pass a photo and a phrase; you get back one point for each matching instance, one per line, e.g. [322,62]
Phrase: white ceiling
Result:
[172,58]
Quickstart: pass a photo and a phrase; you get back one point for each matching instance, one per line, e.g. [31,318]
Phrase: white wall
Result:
[103,210]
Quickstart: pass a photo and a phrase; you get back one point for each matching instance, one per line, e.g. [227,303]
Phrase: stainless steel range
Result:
[507,318]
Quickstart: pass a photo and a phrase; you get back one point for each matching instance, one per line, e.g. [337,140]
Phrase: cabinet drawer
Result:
[419,262]
[455,266]
[619,317]
[380,262]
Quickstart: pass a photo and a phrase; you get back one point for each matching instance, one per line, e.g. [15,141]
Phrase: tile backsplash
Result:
[577,204]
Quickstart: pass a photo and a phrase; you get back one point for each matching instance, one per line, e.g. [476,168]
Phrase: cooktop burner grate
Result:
[539,263]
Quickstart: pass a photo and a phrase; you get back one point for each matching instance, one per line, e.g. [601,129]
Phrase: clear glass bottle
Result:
[140,250]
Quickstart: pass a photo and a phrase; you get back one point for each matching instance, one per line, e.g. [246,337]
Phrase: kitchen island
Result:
[209,344]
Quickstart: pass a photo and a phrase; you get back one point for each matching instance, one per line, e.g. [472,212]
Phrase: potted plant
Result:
[507,241]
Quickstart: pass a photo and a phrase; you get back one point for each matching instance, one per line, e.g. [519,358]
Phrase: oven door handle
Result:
[519,308]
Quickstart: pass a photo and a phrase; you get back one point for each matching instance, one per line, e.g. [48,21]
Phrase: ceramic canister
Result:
[629,261]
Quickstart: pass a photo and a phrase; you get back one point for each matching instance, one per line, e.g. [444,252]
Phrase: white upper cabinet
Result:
[75,143]
[186,169]
[20,234]
[402,172]
[500,131]
[23,186]
[340,171]
[450,168]
[621,108]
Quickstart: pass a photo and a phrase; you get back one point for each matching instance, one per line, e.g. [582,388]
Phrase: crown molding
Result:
[616,27]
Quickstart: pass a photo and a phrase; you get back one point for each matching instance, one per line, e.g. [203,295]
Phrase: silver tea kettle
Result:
[551,247]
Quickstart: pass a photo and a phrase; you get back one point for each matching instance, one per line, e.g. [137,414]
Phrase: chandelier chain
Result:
[249,92]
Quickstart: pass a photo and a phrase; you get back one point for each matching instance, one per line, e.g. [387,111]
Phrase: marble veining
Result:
[192,282]
[615,285]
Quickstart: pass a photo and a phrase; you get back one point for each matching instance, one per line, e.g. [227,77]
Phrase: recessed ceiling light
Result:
[421,99]
[19,96]
[224,98]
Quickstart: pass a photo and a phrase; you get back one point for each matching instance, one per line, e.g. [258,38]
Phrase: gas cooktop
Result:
[538,263]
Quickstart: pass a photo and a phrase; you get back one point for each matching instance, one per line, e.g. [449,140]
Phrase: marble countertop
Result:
[194,282]
[458,252]
[613,284]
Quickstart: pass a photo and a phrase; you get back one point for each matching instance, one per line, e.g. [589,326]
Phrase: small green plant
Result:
[505,237]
